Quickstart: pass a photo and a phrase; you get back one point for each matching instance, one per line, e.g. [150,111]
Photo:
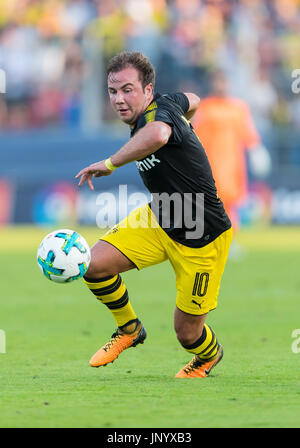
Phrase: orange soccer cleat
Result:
[118,342]
[199,368]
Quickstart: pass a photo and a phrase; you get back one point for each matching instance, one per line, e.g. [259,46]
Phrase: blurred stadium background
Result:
[55,117]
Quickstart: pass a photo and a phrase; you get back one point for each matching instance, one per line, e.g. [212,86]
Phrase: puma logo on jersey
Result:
[147,163]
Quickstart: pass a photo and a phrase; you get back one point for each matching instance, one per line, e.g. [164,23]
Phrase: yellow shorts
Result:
[198,271]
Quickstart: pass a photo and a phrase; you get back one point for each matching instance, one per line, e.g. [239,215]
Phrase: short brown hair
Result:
[135,59]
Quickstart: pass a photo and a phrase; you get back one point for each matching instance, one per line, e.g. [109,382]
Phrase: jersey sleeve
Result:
[250,134]
[181,99]
[170,109]
[178,123]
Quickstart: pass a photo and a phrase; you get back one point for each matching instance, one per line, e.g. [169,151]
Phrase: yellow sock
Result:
[113,293]
[207,346]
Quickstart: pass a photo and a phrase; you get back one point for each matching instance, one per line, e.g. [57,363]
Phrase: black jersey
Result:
[179,177]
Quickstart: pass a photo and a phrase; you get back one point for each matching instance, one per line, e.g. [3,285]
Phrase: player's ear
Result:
[149,90]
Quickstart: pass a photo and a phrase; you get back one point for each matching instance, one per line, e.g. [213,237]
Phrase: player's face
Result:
[220,85]
[127,96]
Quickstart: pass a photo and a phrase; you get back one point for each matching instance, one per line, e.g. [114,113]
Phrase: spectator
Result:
[256,42]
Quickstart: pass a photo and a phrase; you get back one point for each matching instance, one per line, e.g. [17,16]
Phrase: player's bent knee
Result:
[188,327]
[96,270]
[107,260]
[100,264]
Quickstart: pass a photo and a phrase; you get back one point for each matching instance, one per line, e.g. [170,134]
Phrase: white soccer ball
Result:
[63,256]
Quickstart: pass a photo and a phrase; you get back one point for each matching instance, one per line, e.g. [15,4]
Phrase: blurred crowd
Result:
[54,54]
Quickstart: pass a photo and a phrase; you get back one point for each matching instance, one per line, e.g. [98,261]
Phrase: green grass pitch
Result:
[52,330]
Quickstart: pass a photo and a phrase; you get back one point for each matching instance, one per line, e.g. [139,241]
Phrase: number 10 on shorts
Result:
[200,284]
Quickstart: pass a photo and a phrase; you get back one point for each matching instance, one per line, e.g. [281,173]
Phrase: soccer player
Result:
[226,129]
[174,166]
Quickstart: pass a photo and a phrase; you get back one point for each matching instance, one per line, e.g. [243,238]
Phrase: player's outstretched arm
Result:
[194,101]
[147,140]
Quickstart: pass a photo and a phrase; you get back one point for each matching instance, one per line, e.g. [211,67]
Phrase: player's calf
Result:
[111,291]
[208,352]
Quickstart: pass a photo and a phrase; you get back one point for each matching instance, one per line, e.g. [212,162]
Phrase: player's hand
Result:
[260,161]
[98,169]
